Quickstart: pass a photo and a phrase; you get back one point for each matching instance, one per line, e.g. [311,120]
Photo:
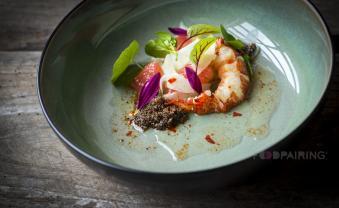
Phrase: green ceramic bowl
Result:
[81,104]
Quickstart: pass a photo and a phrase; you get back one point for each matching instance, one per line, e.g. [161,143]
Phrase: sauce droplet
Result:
[172,80]
[172,129]
[236,114]
[129,133]
[209,139]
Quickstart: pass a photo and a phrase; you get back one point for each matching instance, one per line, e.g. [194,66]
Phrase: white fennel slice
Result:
[206,58]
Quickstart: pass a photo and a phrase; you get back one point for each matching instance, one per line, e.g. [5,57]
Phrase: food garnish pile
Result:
[202,69]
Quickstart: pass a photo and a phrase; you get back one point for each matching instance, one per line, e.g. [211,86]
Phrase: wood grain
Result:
[36,170]
[26,25]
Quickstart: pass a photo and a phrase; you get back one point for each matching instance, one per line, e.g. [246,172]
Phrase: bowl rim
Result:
[121,168]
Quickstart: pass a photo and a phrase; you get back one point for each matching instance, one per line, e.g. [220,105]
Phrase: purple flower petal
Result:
[193,79]
[178,31]
[149,91]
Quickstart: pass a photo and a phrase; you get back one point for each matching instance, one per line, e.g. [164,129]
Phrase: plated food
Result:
[202,69]
[202,72]
[93,117]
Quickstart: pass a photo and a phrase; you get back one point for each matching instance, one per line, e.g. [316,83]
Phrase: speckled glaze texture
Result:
[81,104]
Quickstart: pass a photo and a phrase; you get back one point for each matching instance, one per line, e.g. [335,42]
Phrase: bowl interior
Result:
[82,104]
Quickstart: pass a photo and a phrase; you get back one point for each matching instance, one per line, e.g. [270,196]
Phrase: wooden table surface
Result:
[36,170]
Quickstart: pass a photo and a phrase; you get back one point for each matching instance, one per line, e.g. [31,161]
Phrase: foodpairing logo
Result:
[292,155]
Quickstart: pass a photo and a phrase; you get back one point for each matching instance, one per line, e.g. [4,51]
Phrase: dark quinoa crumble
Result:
[250,49]
[160,115]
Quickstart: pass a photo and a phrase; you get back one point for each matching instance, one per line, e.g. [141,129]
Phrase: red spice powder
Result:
[173,129]
[209,139]
[235,114]
[129,133]
[172,80]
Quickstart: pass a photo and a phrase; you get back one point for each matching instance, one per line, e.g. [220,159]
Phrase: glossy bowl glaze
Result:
[81,105]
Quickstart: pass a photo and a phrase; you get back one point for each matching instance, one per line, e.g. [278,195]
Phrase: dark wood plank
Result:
[26,25]
[36,170]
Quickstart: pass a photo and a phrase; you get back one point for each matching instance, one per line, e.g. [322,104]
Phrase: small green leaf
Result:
[154,49]
[236,44]
[249,66]
[128,75]
[199,49]
[160,47]
[201,29]
[227,36]
[164,36]
[231,40]
[124,59]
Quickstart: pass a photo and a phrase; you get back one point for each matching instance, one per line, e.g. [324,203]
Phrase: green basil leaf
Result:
[199,49]
[249,66]
[128,75]
[201,29]
[153,48]
[164,36]
[163,45]
[124,59]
